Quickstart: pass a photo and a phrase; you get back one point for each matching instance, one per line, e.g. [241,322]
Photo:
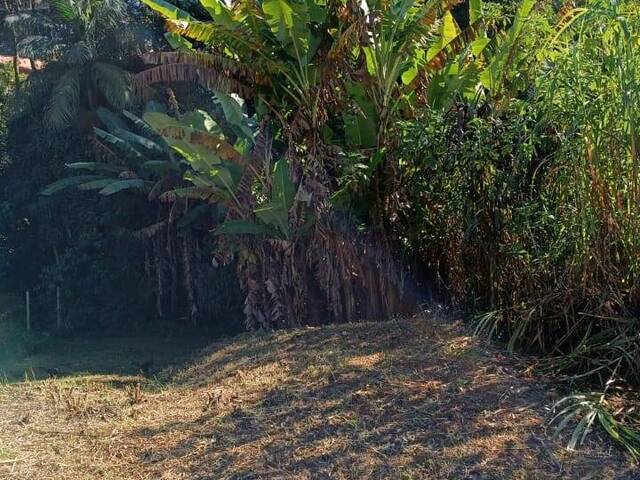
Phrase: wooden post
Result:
[58,310]
[28,305]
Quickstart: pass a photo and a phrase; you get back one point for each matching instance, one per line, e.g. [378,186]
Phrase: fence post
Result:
[28,307]
[58,310]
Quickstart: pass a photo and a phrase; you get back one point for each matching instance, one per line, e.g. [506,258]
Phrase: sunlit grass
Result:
[354,401]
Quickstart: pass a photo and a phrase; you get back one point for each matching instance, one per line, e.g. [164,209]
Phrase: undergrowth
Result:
[527,210]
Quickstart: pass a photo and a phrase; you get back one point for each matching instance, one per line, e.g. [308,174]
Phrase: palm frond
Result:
[64,101]
[205,60]
[113,82]
[38,47]
[79,54]
[144,129]
[20,22]
[70,182]
[185,72]
[105,16]
[65,11]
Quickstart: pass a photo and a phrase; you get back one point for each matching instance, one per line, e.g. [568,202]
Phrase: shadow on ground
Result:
[417,399]
[398,400]
[63,357]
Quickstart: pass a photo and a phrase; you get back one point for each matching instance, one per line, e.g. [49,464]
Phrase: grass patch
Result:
[412,399]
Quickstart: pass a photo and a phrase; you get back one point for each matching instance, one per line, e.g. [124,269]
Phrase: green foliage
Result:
[85,45]
[589,408]
[271,218]
[141,163]
[68,243]
[500,214]
[525,209]
[281,40]
[6,90]
[496,145]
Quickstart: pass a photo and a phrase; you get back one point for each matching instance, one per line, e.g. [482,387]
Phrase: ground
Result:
[415,399]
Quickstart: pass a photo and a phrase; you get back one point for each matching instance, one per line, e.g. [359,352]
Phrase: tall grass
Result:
[588,93]
[528,208]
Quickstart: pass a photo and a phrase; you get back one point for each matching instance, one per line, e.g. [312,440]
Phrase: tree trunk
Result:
[16,64]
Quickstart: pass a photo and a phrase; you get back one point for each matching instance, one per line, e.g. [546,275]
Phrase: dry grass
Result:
[416,399]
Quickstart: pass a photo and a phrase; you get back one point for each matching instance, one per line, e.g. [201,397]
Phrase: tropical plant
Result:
[17,28]
[322,79]
[83,43]
[590,79]
[134,158]
[590,408]
[524,208]
[133,161]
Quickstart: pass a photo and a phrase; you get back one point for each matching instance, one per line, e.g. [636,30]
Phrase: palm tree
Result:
[84,51]
[17,28]
[10,32]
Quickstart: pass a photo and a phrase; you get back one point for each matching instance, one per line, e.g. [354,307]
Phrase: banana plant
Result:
[324,79]
[216,169]
[135,158]
[505,54]
[265,49]
[298,56]
[407,43]
[214,165]
[273,218]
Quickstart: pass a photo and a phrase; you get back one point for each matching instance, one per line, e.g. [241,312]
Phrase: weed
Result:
[589,408]
[134,394]
[70,400]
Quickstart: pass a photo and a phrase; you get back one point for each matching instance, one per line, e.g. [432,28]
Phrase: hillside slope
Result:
[416,399]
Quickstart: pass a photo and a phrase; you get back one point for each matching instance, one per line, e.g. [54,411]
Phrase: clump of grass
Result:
[70,400]
[134,394]
[5,454]
[589,408]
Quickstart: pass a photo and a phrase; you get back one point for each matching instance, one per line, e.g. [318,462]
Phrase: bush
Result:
[527,209]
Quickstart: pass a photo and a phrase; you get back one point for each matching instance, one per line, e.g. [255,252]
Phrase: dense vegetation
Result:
[307,162]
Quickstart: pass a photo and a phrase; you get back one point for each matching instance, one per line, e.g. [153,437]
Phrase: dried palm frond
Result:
[187,72]
[151,230]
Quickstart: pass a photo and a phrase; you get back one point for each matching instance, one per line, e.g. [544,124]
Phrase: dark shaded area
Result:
[148,356]
[92,255]
[82,246]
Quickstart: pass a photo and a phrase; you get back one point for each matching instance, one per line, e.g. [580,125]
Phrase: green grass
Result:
[84,356]
[5,454]
[36,356]
[11,337]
